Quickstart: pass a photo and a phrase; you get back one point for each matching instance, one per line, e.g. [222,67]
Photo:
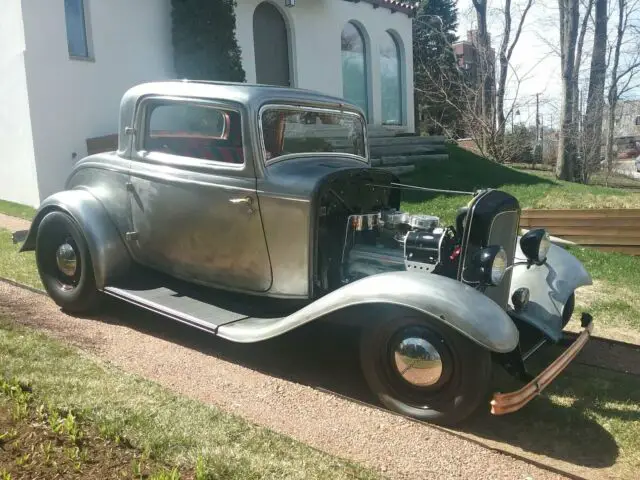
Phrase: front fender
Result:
[550,286]
[109,255]
[454,304]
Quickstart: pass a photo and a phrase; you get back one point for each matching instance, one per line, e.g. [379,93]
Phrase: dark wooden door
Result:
[271,44]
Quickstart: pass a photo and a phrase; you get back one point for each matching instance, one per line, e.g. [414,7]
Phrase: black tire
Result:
[463,383]
[75,293]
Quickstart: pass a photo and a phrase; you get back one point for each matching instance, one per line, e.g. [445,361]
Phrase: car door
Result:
[193,197]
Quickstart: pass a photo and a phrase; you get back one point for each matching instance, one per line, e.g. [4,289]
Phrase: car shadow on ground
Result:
[324,355]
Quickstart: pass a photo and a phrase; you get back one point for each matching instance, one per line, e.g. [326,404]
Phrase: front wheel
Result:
[423,369]
[64,263]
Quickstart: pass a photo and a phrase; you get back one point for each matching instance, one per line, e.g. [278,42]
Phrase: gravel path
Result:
[195,365]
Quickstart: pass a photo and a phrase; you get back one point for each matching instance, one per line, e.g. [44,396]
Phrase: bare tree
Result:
[622,77]
[506,50]
[487,78]
[567,152]
[579,52]
[595,99]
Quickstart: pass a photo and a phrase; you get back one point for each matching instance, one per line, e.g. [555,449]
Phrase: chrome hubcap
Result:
[418,362]
[66,259]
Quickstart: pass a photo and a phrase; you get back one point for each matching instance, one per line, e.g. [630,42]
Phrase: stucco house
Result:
[64,65]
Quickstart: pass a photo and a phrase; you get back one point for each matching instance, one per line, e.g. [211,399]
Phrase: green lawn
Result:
[468,172]
[161,426]
[17,210]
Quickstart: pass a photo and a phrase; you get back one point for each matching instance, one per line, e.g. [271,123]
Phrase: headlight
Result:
[498,267]
[535,245]
[490,265]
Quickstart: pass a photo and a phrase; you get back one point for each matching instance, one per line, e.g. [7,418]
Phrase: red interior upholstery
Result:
[187,144]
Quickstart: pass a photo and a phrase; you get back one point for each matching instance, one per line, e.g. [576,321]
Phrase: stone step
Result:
[393,149]
[411,159]
[400,169]
[406,140]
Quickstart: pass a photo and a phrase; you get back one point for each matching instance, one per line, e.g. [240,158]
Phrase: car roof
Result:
[253,96]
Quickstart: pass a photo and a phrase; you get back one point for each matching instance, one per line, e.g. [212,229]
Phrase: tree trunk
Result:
[595,99]
[576,68]
[485,89]
[504,64]
[613,88]
[569,16]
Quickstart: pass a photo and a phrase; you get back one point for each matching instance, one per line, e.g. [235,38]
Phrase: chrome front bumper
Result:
[504,403]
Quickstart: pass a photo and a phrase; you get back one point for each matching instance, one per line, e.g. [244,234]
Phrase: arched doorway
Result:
[355,67]
[271,46]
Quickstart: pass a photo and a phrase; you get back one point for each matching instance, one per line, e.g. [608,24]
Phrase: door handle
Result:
[248,201]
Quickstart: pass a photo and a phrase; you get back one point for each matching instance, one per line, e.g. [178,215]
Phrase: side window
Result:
[196,131]
[75,20]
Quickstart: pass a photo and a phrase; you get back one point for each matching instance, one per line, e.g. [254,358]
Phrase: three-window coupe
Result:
[248,211]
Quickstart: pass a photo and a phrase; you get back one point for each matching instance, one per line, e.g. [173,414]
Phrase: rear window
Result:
[288,131]
[196,131]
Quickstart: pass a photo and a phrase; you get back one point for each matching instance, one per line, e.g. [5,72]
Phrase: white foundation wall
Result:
[72,100]
[17,164]
[315,56]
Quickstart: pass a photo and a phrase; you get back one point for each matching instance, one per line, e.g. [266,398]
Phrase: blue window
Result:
[76,28]
[354,67]
[391,81]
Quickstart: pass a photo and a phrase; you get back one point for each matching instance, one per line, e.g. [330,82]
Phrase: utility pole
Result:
[537,118]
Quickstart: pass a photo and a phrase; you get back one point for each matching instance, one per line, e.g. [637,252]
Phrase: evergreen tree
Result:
[435,66]
[204,40]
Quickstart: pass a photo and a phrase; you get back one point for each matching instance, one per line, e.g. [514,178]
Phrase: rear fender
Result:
[448,301]
[550,286]
[109,255]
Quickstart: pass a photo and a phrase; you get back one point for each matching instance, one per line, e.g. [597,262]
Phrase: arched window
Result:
[391,80]
[354,67]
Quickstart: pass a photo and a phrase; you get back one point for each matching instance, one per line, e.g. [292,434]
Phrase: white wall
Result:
[72,100]
[315,27]
[17,164]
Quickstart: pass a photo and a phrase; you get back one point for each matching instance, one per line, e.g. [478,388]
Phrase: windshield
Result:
[291,130]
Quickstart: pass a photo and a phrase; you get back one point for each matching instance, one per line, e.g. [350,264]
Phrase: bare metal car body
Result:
[252,247]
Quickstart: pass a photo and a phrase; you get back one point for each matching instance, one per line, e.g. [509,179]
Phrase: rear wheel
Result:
[64,263]
[423,369]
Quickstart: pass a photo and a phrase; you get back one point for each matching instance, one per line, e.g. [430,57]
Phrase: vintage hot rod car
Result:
[248,210]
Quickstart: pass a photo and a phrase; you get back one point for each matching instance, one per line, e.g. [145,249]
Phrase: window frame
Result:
[399,49]
[86,29]
[367,59]
[303,108]
[141,123]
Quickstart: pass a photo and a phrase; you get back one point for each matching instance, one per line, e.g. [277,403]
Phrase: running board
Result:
[200,307]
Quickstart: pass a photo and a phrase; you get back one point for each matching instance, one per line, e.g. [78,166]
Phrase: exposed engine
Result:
[392,240]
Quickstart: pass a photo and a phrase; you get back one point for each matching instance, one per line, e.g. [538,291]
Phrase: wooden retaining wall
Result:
[614,230]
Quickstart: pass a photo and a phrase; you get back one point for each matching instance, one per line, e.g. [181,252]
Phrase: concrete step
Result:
[411,159]
[403,149]
[406,140]
[400,169]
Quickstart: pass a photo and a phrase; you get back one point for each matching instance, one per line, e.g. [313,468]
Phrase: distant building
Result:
[468,53]
[626,131]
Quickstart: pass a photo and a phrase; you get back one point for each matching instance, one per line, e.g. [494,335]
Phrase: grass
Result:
[468,172]
[20,267]
[40,441]
[170,430]
[588,418]
[17,210]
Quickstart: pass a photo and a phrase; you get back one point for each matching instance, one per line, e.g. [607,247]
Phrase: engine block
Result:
[392,240]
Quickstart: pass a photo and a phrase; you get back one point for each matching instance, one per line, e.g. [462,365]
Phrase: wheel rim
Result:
[418,361]
[419,366]
[68,265]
